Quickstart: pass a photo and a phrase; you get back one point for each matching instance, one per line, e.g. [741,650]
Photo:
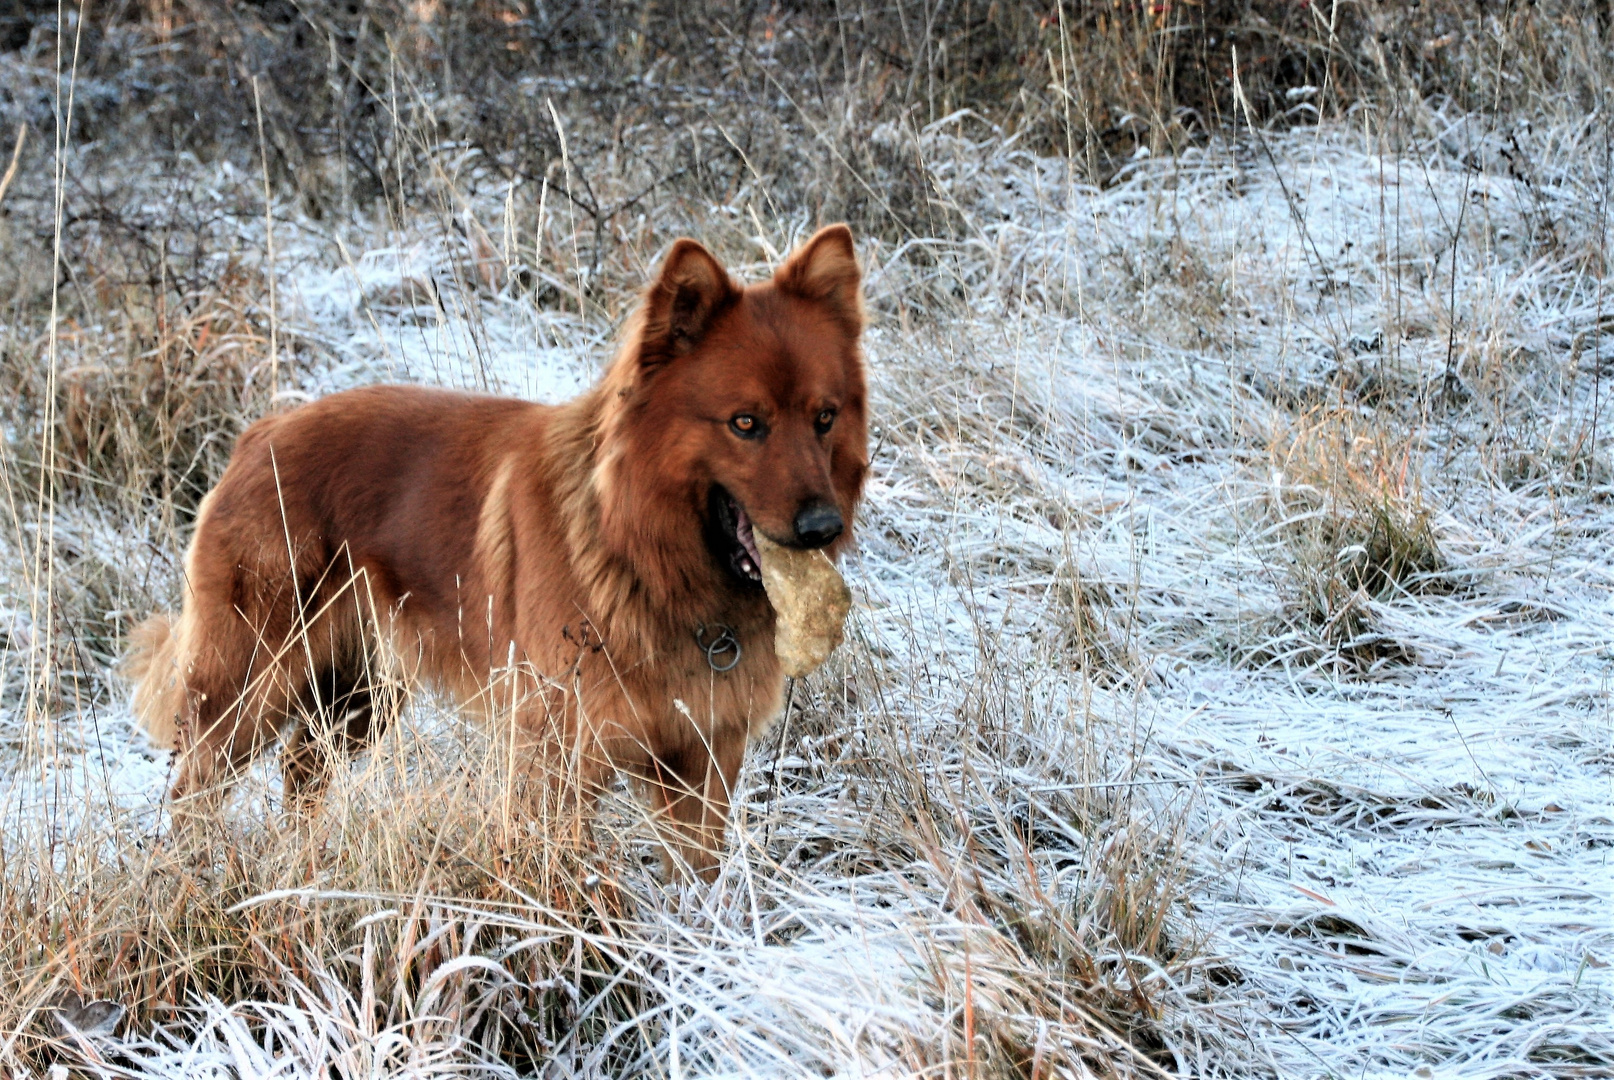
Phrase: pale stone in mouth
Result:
[811,600]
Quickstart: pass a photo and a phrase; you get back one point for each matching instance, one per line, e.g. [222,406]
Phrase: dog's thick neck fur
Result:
[634,544]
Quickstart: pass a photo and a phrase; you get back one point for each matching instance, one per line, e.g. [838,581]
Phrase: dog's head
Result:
[738,409]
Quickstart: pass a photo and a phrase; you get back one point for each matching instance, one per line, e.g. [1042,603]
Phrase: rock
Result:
[76,1015]
[811,600]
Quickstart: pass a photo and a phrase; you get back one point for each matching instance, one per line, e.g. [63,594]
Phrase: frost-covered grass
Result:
[1226,692]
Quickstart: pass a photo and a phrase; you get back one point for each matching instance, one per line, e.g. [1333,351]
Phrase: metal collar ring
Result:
[722,644]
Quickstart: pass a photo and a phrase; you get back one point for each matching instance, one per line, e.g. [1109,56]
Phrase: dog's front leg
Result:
[689,792]
[553,784]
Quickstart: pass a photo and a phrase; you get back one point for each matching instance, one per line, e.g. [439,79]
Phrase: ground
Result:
[1226,691]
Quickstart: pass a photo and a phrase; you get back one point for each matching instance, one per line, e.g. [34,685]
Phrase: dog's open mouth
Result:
[728,533]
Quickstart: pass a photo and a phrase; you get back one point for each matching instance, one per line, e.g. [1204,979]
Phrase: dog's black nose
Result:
[817,524]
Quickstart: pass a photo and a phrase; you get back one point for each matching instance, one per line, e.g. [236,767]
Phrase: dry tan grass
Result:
[1347,498]
[154,408]
[262,902]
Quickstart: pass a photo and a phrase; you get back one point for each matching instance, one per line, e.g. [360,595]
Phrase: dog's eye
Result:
[746,426]
[824,421]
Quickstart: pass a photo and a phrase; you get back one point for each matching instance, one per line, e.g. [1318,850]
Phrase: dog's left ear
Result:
[825,269]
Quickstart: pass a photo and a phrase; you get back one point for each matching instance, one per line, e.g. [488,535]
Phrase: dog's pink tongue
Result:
[742,529]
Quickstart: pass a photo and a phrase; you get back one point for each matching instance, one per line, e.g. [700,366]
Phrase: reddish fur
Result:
[466,531]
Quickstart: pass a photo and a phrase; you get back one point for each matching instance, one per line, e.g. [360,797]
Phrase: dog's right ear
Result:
[691,290]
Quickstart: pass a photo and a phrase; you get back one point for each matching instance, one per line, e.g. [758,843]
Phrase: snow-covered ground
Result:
[1080,645]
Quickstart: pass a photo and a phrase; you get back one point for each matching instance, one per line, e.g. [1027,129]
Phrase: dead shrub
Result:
[1355,529]
[149,411]
[806,109]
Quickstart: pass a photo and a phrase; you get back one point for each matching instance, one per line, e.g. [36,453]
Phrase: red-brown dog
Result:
[585,572]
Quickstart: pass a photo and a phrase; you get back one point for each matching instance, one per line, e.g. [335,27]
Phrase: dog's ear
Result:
[825,269]
[691,289]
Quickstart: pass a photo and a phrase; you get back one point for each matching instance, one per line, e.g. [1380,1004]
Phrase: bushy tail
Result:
[153,665]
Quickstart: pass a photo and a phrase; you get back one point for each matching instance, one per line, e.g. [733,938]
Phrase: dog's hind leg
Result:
[331,722]
[244,674]
[231,720]
[339,717]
